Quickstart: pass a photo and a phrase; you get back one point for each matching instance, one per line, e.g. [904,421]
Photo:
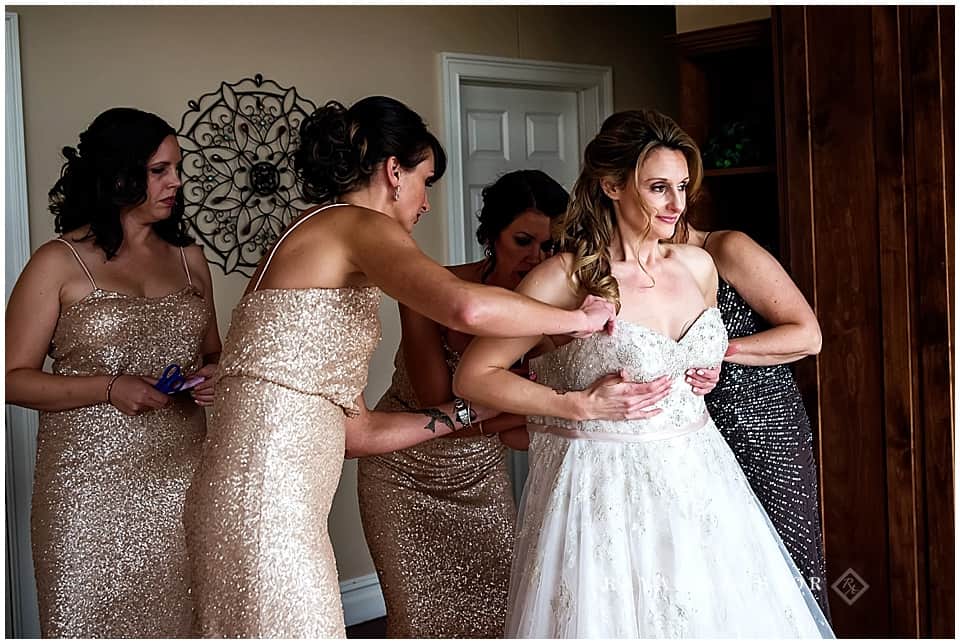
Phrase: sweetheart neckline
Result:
[683,335]
[679,341]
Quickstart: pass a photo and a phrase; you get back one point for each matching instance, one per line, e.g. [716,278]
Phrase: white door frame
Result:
[594,87]
[592,83]
[21,424]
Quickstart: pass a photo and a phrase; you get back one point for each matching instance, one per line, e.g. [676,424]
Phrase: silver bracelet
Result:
[461,411]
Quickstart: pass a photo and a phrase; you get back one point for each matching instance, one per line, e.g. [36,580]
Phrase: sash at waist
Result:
[639,437]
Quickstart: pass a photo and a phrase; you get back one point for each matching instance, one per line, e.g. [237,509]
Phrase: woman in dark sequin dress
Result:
[757,405]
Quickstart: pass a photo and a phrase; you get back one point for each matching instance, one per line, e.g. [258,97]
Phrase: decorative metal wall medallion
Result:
[239,186]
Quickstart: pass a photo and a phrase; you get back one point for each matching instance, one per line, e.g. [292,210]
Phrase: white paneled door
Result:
[514,128]
[505,114]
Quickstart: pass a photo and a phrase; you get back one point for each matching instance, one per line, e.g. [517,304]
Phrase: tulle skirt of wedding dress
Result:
[655,539]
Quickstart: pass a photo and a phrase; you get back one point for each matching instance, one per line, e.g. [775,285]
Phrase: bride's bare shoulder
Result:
[695,259]
[700,265]
[552,282]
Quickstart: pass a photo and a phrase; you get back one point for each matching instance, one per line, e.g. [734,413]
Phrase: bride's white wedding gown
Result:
[647,528]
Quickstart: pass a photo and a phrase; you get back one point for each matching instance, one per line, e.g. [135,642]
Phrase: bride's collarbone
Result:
[666,288]
[668,308]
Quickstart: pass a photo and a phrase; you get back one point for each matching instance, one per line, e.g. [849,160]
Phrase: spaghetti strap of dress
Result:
[284,236]
[79,261]
[186,267]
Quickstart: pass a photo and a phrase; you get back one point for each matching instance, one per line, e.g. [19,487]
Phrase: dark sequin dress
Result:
[760,413]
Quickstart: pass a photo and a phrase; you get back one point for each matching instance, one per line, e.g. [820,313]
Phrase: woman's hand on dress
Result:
[613,397]
[203,393]
[134,395]
[703,380]
[600,315]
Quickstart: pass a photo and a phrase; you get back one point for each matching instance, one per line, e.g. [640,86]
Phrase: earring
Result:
[396,194]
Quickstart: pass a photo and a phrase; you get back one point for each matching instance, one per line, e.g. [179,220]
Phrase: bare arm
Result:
[767,289]
[31,318]
[379,432]
[484,374]
[210,347]
[389,257]
[429,375]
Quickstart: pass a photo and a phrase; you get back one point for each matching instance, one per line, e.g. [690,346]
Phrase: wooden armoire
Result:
[859,199]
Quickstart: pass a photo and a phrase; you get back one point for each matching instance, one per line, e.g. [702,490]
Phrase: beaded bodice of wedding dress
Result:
[645,354]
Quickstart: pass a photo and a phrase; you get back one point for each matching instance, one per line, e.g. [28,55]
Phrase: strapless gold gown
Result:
[293,364]
[439,522]
[106,521]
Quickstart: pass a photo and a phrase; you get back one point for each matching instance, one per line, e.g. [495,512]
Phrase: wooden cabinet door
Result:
[865,120]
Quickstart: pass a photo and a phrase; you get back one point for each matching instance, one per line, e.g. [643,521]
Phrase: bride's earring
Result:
[396,194]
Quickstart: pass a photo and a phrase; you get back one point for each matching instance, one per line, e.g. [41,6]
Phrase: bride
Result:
[641,528]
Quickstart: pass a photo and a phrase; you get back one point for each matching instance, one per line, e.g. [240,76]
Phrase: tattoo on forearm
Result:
[435,415]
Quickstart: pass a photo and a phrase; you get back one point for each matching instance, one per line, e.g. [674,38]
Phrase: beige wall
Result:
[78,61]
[693,17]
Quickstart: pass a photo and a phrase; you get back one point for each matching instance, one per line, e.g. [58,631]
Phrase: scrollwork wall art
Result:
[239,187]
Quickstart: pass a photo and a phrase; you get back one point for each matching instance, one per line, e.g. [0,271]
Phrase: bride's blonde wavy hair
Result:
[586,229]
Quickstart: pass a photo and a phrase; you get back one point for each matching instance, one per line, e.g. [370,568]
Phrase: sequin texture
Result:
[293,364]
[439,521]
[760,413]
[108,542]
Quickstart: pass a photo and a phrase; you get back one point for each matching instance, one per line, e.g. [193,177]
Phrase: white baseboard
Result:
[362,599]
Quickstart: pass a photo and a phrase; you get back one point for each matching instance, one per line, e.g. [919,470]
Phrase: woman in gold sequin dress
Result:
[439,517]
[289,401]
[121,295]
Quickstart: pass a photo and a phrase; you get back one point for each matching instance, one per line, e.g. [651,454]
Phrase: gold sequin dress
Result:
[293,364]
[108,543]
[439,522]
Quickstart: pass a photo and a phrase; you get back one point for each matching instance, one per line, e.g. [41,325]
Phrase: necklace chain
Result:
[645,271]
